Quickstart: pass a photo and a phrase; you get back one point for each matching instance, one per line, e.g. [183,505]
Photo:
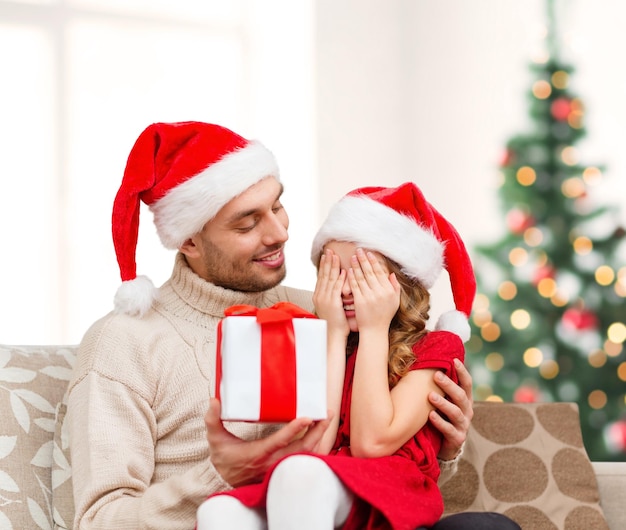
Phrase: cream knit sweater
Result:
[137,402]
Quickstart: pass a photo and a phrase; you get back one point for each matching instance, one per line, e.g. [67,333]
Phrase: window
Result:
[81,79]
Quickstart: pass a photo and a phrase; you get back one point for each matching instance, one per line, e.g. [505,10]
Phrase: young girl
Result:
[377,254]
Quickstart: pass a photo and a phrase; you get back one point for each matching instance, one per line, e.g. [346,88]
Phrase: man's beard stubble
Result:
[238,276]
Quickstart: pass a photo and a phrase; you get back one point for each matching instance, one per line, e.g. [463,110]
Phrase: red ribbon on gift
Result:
[278,357]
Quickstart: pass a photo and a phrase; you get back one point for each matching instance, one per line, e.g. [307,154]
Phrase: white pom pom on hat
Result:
[401,224]
[134,297]
[185,172]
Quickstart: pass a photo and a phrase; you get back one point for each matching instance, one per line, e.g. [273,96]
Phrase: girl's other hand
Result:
[327,295]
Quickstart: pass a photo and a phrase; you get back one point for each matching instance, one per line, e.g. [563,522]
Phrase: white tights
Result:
[303,493]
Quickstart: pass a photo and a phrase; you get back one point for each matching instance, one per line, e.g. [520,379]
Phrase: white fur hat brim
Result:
[372,225]
[186,208]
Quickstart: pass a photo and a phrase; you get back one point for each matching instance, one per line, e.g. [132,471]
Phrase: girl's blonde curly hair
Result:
[408,325]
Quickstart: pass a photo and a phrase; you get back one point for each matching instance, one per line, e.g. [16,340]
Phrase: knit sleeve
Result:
[448,468]
[113,479]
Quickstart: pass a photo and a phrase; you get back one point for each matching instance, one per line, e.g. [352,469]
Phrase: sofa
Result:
[525,460]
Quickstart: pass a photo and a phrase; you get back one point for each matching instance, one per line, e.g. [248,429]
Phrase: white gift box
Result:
[271,366]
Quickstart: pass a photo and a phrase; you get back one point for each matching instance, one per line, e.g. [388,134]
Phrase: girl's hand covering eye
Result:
[376,292]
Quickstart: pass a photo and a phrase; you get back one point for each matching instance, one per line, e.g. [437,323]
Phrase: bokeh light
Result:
[526,176]
[541,89]
[597,399]
[592,175]
[616,332]
[490,332]
[547,287]
[621,371]
[549,369]
[597,358]
[494,361]
[507,290]
[533,236]
[560,79]
[605,275]
[570,155]
[520,319]
[573,187]
[533,357]
[518,256]
[582,245]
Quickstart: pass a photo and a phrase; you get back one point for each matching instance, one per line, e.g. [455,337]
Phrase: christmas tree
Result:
[549,318]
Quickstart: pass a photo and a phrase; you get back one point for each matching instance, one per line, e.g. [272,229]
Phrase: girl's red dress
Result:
[396,492]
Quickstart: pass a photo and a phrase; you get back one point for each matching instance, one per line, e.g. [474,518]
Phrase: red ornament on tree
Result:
[579,319]
[507,158]
[518,220]
[615,436]
[526,394]
[561,108]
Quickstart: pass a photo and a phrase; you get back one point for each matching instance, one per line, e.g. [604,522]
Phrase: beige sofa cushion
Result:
[32,382]
[528,462]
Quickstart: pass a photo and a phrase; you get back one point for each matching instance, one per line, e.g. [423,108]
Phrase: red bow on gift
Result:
[278,357]
[279,312]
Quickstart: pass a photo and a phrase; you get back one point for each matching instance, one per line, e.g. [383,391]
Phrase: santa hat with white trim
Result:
[402,225]
[185,172]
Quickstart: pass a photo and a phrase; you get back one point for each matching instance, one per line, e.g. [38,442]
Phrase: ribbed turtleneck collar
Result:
[185,293]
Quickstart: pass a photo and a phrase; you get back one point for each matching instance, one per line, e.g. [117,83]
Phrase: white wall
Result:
[430,90]
[85,80]
[346,92]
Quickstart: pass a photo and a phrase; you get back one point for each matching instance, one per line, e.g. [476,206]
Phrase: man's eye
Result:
[277,208]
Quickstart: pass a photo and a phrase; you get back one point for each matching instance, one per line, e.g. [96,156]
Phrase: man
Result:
[145,450]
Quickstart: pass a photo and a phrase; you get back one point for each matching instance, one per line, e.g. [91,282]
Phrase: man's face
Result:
[242,247]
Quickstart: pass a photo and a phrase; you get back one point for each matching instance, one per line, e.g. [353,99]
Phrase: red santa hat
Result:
[402,225]
[185,172]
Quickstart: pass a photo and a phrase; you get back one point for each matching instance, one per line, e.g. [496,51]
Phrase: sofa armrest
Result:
[33,380]
[611,478]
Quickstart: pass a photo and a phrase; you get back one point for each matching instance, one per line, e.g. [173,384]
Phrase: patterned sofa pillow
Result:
[528,462]
[62,494]
[32,382]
